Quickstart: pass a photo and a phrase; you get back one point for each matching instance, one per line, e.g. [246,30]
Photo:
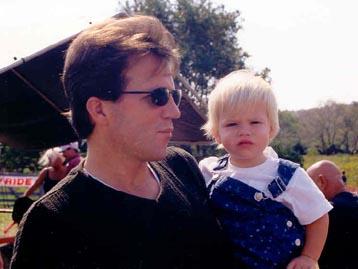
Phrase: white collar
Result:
[106,184]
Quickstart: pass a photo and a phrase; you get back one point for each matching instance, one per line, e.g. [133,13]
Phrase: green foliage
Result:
[265,74]
[207,36]
[288,153]
[289,126]
[300,149]
[346,162]
[15,160]
[331,128]
[287,143]
[203,151]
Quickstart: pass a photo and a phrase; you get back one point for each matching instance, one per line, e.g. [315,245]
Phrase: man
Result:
[342,235]
[72,156]
[132,203]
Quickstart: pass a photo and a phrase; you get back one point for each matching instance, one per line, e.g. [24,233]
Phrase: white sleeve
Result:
[304,198]
[270,152]
[206,166]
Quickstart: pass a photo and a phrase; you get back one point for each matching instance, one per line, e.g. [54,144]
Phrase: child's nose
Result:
[244,130]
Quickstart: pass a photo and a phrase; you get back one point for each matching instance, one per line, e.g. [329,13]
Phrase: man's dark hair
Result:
[97,59]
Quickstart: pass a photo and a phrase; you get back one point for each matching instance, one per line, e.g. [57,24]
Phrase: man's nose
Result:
[171,109]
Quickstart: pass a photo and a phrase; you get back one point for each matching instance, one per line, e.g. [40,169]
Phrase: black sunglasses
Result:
[160,96]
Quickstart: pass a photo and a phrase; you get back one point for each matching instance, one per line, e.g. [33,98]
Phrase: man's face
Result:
[136,126]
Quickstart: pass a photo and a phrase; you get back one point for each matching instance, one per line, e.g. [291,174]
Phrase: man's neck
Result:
[122,173]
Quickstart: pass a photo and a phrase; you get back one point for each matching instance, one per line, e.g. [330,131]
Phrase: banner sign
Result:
[16,181]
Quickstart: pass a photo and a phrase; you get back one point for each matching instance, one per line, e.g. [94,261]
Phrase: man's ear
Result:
[95,108]
[321,182]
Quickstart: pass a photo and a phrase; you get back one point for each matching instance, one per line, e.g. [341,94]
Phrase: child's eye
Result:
[230,124]
[255,122]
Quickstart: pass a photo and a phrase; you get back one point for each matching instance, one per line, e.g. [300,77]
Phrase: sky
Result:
[311,46]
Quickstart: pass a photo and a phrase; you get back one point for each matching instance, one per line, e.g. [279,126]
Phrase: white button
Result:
[297,242]
[258,196]
[216,176]
[289,223]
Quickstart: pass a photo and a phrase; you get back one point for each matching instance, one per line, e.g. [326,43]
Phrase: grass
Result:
[345,162]
[7,197]
[5,220]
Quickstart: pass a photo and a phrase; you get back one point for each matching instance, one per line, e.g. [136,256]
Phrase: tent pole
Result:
[28,83]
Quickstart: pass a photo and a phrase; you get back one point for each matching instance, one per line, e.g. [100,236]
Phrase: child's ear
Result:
[216,137]
[272,133]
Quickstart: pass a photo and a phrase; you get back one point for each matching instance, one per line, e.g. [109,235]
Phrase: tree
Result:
[289,126]
[313,128]
[14,160]
[331,128]
[287,144]
[350,128]
[207,36]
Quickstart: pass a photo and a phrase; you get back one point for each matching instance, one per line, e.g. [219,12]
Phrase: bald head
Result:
[328,177]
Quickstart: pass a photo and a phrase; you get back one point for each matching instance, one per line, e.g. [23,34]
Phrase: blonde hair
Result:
[49,156]
[236,91]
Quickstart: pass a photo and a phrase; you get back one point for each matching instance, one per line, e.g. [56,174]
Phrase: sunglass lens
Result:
[176,96]
[160,96]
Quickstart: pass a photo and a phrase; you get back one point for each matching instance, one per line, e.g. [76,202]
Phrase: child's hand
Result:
[303,262]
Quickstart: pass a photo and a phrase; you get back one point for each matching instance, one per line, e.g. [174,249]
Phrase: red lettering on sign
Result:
[16,181]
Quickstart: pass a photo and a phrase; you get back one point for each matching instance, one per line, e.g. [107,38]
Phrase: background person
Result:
[274,214]
[340,251]
[132,203]
[53,172]
[48,177]
[72,155]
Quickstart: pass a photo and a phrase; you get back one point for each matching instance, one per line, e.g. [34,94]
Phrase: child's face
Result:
[245,134]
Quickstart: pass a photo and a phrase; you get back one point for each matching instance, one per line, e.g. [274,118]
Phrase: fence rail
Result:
[8,196]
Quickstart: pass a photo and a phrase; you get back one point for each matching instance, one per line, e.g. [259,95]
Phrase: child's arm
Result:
[316,234]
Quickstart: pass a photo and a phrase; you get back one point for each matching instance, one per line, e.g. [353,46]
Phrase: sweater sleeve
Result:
[186,169]
[31,243]
[179,157]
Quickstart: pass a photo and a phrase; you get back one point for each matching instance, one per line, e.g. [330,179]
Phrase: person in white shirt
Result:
[273,213]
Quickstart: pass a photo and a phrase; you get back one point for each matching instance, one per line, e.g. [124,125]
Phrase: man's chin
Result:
[160,154]
[153,153]
[160,157]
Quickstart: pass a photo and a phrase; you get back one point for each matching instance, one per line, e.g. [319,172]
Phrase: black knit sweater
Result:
[82,223]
